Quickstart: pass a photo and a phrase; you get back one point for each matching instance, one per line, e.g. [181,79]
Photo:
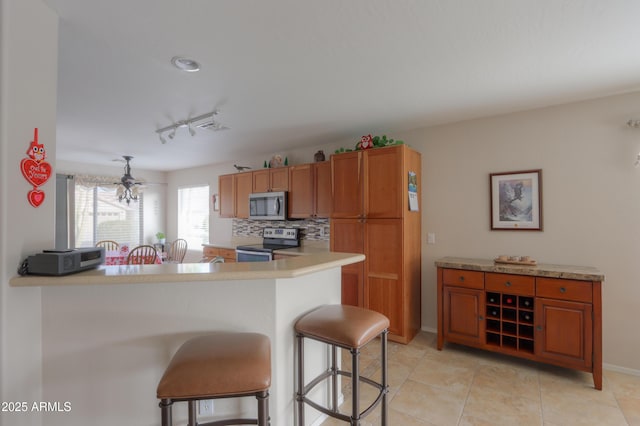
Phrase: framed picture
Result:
[214,199]
[516,200]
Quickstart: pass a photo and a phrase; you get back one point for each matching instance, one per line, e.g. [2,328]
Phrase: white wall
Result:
[28,74]
[591,200]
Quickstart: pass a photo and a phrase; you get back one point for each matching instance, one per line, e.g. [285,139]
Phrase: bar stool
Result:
[350,328]
[219,365]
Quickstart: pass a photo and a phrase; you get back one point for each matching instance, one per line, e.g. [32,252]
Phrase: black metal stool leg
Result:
[165,407]
[355,387]
[385,385]
[334,378]
[300,402]
[193,420]
[263,409]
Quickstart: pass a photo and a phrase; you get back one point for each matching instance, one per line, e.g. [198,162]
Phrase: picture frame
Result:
[516,200]
[214,200]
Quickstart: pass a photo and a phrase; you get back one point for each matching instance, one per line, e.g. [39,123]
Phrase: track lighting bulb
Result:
[162,140]
[192,132]
[172,134]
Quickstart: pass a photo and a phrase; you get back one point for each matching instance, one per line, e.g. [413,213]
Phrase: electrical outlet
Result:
[431,238]
[205,407]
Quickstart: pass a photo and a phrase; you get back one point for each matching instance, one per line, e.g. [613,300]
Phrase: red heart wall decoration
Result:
[36,197]
[35,173]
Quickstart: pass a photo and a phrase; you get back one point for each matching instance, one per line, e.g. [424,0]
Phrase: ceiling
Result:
[291,73]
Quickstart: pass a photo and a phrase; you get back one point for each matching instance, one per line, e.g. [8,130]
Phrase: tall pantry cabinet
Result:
[371,215]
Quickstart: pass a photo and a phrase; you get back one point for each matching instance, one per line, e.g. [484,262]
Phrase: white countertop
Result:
[190,272]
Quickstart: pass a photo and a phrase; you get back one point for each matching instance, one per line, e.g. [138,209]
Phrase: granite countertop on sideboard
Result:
[584,273]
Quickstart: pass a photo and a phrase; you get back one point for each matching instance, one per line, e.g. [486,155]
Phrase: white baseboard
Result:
[429,330]
[619,369]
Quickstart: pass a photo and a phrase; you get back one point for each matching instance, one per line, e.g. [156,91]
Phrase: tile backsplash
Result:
[310,229]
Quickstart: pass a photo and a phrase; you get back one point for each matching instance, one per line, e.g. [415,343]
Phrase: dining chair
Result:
[109,245]
[143,254]
[217,259]
[177,251]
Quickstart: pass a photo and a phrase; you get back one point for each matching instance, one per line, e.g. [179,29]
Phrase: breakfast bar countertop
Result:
[291,267]
[584,273]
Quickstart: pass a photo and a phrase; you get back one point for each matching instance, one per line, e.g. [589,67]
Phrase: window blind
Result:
[100,216]
[193,214]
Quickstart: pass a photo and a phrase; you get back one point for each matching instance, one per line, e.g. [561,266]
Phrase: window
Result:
[100,216]
[193,215]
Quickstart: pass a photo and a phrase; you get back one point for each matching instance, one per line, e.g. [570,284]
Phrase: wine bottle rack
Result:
[509,321]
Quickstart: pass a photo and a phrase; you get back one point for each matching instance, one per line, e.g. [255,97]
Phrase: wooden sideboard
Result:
[546,313]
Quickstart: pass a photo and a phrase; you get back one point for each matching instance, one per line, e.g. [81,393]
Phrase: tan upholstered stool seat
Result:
[343,325]
[218,364]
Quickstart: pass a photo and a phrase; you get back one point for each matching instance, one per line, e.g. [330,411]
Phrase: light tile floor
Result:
[465,386]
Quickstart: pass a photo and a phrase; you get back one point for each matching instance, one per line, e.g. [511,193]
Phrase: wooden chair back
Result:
[217,259]
[109,245]
[177,251]
[142,255]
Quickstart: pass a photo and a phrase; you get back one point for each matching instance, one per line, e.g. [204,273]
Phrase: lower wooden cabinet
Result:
[347,235]
[462,316]
[552,320]
[555,318]
[209,253]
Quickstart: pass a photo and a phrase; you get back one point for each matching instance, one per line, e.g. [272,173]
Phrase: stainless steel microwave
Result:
[268,206]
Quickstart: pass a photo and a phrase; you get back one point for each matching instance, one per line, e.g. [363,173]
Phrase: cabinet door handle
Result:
[563,290]
[481,318]
[538,328]
[508,284]
[460,278]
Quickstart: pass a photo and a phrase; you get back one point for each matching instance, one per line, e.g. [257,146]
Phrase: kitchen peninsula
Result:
[109,333]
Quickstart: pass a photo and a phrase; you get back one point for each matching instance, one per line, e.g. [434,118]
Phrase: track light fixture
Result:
[204,121]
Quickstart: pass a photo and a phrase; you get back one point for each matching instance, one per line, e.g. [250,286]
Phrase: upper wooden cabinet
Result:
[384,189]
[271,180]
[371,183]
[347,185]
[234,193]
[226,196]
[310,190]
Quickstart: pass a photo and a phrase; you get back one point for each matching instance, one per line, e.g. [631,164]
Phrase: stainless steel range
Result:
[272,239]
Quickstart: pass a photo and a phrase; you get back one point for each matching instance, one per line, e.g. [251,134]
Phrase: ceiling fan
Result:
[128,186]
